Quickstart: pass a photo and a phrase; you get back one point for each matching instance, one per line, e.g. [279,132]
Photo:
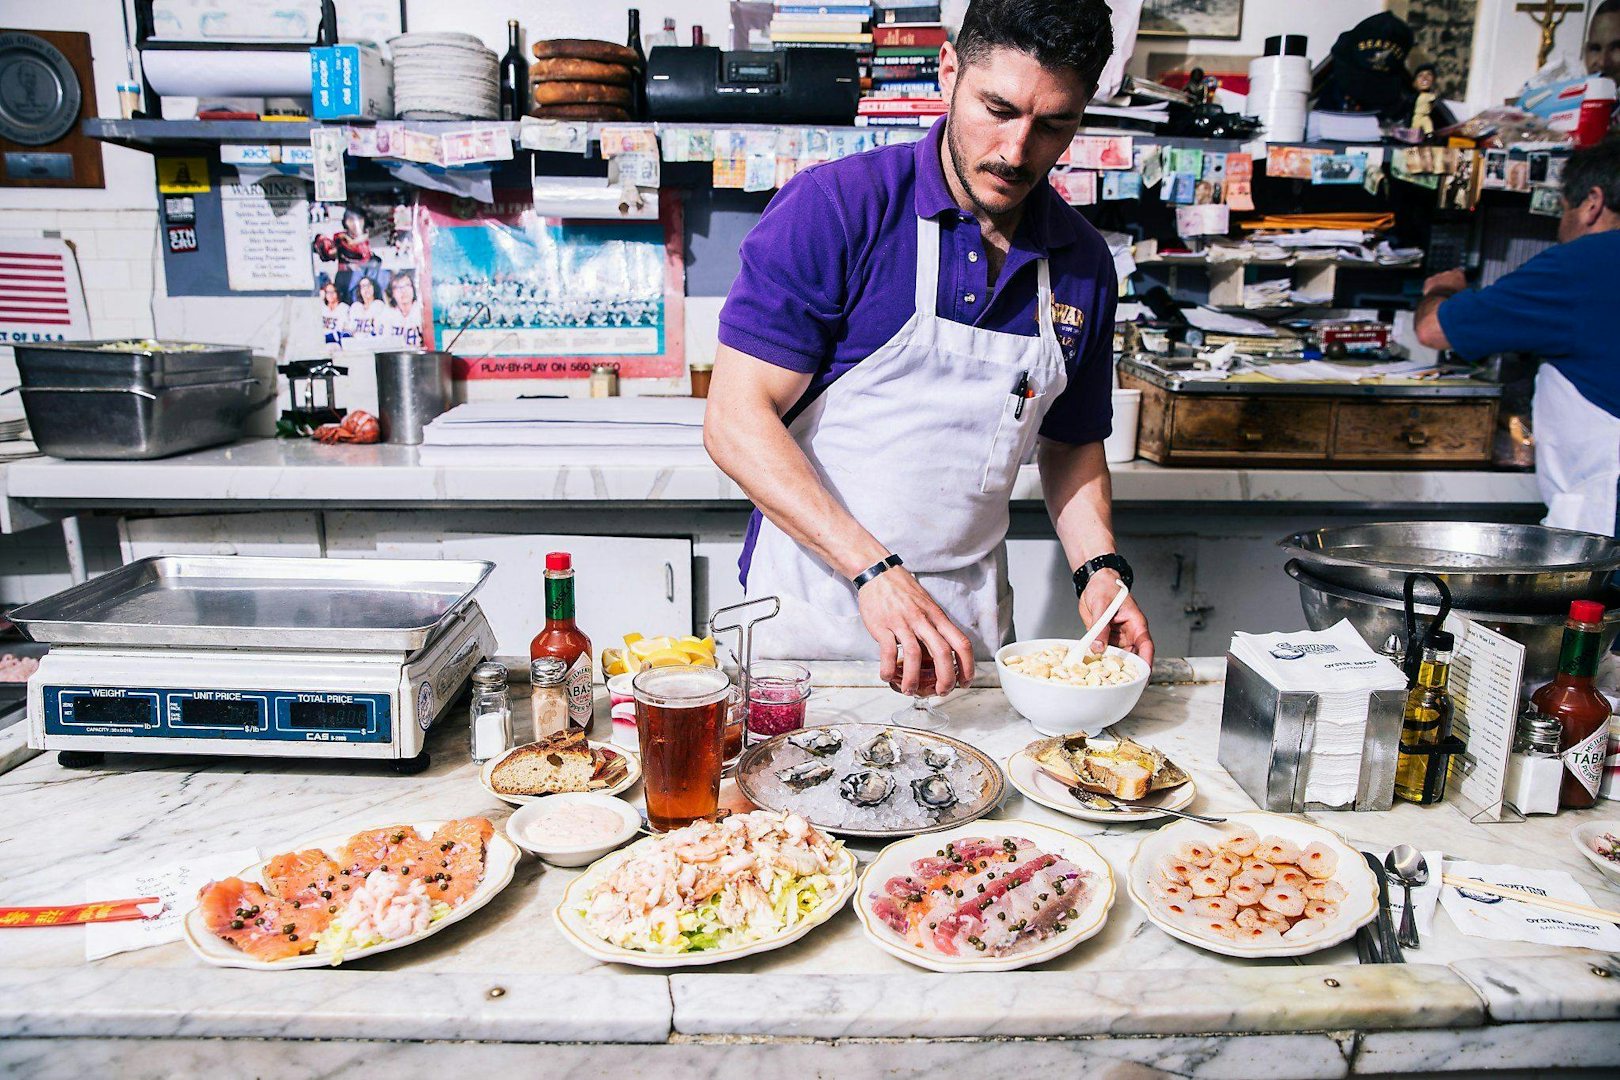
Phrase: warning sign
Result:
[182,175]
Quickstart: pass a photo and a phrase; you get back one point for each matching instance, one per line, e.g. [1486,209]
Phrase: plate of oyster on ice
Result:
[871,780]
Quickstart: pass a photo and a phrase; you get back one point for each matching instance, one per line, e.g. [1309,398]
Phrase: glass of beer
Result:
[923,710]
[681,715]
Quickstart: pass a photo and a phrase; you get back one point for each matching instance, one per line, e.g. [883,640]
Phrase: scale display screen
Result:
[197,712]
[115,711]
[327,715]
[221,713]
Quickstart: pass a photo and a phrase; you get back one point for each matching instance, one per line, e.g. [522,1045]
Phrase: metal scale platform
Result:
[250,656]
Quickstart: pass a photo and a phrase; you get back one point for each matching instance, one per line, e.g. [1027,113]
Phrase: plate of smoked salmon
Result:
[341,898]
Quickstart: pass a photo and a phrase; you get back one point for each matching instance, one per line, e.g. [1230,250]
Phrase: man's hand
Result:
[898,610]
[1128,630]
[1449,283]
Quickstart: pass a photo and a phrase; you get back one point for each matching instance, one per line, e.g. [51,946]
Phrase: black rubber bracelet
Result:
[875,569]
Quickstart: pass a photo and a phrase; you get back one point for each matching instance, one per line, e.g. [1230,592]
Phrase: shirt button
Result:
[973,256]
[970,298]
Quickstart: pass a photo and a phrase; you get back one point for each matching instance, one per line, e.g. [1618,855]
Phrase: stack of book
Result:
[904,89]
[798,25]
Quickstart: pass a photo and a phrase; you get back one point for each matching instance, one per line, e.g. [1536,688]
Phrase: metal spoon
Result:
[1407,865]
[1093,801]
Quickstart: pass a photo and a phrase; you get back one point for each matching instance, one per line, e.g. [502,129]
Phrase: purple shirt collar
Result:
[1039,231]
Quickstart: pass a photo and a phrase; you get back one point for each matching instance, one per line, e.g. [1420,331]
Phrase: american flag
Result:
[39,288]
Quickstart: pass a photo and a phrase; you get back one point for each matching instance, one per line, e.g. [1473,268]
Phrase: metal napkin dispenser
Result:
[1268,734]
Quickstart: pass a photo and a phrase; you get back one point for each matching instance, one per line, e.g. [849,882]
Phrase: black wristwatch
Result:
[1110,561]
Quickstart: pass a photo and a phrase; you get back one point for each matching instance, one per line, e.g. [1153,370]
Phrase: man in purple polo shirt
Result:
[908,326]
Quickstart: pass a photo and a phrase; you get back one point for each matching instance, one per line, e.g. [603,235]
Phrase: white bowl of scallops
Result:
[1063,698]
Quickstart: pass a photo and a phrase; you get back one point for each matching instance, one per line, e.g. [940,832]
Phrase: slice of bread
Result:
[564,762]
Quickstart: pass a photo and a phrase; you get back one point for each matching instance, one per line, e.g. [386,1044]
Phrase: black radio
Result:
[788,86]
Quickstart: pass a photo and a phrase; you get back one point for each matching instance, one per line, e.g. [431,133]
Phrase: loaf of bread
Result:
[571,69]
[580,93]
[580,112]
[564,762]
[607,52]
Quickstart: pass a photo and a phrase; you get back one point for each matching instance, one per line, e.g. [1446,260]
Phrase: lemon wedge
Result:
[666,658]
[631,639]
[613,662]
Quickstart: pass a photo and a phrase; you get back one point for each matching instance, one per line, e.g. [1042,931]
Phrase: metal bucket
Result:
[413,386]
[1529,569]
[1377,617]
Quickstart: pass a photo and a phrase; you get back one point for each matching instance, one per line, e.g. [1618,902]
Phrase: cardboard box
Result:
[351,82]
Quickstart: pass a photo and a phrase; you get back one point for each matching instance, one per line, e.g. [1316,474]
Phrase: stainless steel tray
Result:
[251,602]
[131,424]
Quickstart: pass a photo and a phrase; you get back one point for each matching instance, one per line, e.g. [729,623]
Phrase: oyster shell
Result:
[939,758]
[881,752]
[821,741]
[867,788]
[934,792]
[806,774]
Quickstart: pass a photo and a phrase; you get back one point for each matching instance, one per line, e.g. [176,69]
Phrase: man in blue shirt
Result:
[1560,307]
[907,326]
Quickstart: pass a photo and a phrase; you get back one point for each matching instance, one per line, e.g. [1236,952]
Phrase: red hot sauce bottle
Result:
[1572,698]
[562,638]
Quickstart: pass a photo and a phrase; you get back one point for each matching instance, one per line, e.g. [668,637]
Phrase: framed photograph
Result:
[1192,19]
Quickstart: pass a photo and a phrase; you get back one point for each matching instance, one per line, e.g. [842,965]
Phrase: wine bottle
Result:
[638,85]
[514,75]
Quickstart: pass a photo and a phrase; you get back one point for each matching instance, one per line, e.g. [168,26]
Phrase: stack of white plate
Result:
[444,76]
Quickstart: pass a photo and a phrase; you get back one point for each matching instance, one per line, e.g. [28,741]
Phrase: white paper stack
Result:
[445,76]
[1343,671]
[663,424]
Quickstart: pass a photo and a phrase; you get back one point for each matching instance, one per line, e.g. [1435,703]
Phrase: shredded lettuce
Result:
[338,940]
[701,929]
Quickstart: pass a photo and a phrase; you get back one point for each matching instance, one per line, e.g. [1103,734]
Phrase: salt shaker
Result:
[489,719]
[548,700]
[1534,769]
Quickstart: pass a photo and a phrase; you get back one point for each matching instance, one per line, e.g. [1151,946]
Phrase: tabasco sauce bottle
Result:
[564,640]
[1573,700]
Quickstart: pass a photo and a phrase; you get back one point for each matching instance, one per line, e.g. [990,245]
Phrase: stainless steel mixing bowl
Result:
[1529,569]
[1377,617]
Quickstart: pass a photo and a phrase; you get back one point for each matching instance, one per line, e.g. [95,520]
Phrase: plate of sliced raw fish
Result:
[341,898]
[1259,885]
[986,896]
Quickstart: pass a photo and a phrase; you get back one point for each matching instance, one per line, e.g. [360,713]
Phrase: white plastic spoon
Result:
[1078,651]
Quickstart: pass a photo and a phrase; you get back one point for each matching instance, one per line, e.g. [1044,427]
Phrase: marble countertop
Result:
[301,473]
[506,975]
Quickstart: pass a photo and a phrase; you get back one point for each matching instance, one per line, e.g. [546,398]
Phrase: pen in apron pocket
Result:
[1021,391]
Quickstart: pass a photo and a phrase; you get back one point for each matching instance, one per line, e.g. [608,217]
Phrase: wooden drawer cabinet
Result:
[1348,430]
[1434,431]
[1256,427]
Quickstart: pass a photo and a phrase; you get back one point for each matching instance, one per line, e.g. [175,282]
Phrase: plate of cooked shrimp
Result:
[1259,885]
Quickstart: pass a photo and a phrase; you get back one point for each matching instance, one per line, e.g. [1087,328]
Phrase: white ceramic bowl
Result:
[1057,708]
[517,827]
[1585,834]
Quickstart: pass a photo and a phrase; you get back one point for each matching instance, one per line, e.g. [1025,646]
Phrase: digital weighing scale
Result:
[261,657]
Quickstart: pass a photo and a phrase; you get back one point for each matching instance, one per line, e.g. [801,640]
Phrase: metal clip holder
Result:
[745,631]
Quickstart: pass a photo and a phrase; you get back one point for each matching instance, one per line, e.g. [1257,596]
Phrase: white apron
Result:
[1577,455]
[921,442]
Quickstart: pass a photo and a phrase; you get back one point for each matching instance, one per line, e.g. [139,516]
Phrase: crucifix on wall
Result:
[1549,15]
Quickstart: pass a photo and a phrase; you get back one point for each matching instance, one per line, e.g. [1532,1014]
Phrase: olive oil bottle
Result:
[1420,773]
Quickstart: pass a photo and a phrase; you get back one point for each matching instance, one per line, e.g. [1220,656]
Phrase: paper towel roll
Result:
[1284,72]
[228,72]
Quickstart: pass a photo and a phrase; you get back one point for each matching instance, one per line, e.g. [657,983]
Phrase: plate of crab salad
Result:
[709,892]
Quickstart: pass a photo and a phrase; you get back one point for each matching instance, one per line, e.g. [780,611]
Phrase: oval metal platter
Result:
[776,753]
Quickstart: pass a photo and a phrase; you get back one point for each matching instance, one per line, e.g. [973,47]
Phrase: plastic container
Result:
[1120,446]
[1597,111]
